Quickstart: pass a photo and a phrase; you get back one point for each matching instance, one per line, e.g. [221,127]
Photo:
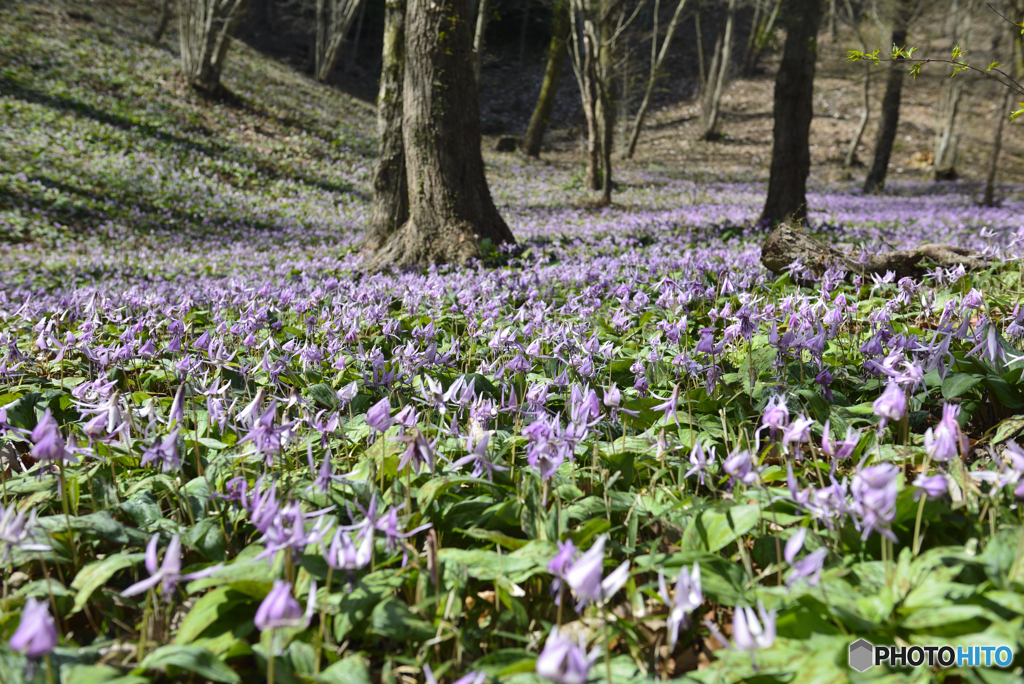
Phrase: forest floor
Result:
[503,467]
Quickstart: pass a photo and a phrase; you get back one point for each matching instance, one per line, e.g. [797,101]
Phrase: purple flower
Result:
[280,609]
[891,405]
[874,492]
[699,461]
[842,450]
[165,451]
[687,598]
[798,432]
[470,678]
[776,415]
[418,454]
[748,633]
[478,457]
[48,443]
[167,574]
[345,554]
[563,661]
[17,531]
[943,441]
[379,415]
[932,486]
[36,635]
[740,467]
[586,575]
[794,544]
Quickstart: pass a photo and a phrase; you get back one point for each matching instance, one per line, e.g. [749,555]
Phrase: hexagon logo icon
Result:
[862,655]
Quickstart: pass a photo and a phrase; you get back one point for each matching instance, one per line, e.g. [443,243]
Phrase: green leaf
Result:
[351,670]
[323,395]
[941,616]
[207,610]
[95,575]
[207,538]
[191,658]
[392,619]
[958,384]
[715,529]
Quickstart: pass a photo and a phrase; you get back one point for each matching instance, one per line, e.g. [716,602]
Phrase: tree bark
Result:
[478,38]
[390,207]
[549,87]
[793,110]
[787,244]
[997,145]
[641,114]
[609,15]
[947,142]
[890,108]
[865,93]
[333,21]
[450,207]
[716,79]
[702,71]
[205,28]
[165,17]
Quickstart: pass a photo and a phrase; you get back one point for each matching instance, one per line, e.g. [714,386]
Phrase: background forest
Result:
[504,341]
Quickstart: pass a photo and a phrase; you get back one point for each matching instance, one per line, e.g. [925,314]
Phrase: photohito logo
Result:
[865,655]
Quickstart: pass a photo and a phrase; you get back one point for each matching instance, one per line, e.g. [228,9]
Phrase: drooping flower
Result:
[775,415]
[751,634]
[699,461]
[839,451]
[469,678]
[344,553]
[740,467]
[932,486]
[167,574]
[874,492]
[891,405]
[36,635]
[586,575]
[281,609]
[379,415]
[563,661]
[48,443]
[688,597]
[164,451]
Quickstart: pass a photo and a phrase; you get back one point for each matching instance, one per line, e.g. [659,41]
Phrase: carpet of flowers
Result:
[621,451]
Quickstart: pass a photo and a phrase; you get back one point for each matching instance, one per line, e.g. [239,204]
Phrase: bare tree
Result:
[205,28]
[390,207]
[853,19]
[793,110]
[333,20]
[549,86]
[761,31]
[947,140]
[478,37]
[165,18]
[657,59]
[710,105]
[450,207]
[902,11]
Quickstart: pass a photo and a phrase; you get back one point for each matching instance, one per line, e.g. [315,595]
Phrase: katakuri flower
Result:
[280,609]
[687,598]
[585,576]
[36,635]
[891,405]
[167,574]
[564,662]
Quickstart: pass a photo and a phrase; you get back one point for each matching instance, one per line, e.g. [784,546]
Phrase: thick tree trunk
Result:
[333,21]
[205,28]
[701,67]
[165,17]
[890,113]
[608,90]
[390,191]
[450,207]
[641,114]
[793,110]
[585,67]
[549,87]
[716,79]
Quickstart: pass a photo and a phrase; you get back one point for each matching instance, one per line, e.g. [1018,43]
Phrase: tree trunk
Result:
[865,96]
[716,81]
[450,207]
[702,71]
[390,207]
[354,53]
[793,110]
[607,89]
[333,20]
[585,68]
[997,145]
[165,17]
[641,114]
[947,141]
[478,38]
[890,109]
[549,87]
[760,39]
[205,28]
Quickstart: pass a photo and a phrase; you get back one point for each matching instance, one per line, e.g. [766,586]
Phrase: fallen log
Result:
[786,244]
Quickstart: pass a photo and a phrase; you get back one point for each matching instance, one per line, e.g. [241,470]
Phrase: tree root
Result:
[786,244]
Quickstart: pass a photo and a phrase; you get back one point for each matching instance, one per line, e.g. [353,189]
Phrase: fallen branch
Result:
[786,244]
